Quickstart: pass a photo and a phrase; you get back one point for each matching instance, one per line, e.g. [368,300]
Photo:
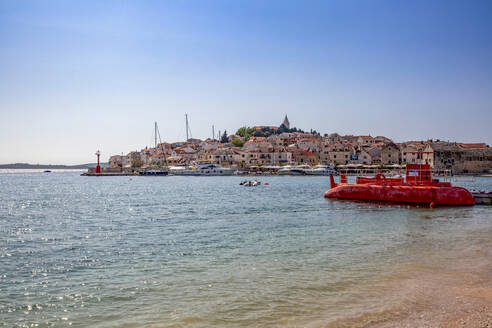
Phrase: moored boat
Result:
[293,170]
[153,172]
[321,170]
[203,170]
[285,170]
[419,188]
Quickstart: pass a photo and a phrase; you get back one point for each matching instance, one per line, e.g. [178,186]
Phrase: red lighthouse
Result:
[98,167]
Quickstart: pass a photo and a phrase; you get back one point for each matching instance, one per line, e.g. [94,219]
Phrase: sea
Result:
[206,252]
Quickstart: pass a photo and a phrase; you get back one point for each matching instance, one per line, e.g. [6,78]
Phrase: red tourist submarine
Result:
[419,188]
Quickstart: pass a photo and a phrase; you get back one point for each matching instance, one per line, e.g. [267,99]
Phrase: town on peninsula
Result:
[268,148]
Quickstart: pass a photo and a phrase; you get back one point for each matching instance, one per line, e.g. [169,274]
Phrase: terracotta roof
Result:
[444,146]
[473,145]
[257,139]
[259,127]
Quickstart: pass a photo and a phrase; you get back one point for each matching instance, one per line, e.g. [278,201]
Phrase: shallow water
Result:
[204,251]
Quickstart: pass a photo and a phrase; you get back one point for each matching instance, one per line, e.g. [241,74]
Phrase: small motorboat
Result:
[47,171]
[250,183]
[419,188]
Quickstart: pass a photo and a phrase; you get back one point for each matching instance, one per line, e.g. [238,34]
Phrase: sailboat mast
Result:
[155,135]
[213,133]
[187,128]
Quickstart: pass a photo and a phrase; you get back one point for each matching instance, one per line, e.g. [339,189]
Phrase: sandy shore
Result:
[456,293]
[464,305]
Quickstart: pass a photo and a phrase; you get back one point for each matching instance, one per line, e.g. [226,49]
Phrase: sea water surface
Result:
[206,252]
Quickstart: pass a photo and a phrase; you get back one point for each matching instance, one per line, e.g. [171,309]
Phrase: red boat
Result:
[419,188]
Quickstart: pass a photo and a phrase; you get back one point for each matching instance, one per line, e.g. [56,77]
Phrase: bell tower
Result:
[286,122]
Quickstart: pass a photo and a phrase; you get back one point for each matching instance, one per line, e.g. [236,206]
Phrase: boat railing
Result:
[464,179]
[443,175]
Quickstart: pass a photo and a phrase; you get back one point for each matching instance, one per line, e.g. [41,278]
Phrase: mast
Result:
[187,137]
[187,127]
[213,133]
[155,134]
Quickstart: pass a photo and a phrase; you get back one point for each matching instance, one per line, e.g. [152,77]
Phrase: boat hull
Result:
[403,194]
[200,174]
[154,173]
[322,173]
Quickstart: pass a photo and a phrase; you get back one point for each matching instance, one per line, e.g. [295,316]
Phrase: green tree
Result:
[258,133]
[238,142]
[224,138]
[245,132]
[136,163]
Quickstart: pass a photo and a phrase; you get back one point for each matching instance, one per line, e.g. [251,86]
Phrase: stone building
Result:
[375,152]
[390,154]
[361,156]
[340,153]
[442,155]
[365,140]
[115,161]
[475,160]
[411,153]
[457,158]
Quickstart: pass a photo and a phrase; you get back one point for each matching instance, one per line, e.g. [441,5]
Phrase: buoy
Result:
[432,205]
[266,183]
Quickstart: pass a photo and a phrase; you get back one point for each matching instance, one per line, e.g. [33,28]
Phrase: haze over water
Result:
[203,252]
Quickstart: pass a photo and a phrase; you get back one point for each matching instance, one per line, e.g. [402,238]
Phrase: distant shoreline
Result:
[48,166]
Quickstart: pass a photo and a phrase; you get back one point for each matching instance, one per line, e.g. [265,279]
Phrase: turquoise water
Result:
[204,251]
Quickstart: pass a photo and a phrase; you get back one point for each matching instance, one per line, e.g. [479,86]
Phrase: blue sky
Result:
[77,76]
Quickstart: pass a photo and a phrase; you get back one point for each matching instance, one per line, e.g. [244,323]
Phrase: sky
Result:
[78,76]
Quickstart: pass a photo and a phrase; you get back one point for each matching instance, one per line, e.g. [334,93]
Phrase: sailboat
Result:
[201,169]
[163,171]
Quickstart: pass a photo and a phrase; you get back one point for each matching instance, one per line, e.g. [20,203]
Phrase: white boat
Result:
[250,183]
[203,170]
[293,170]
[285,170]
[321,170]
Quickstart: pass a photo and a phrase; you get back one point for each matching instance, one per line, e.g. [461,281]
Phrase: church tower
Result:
[286,122]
